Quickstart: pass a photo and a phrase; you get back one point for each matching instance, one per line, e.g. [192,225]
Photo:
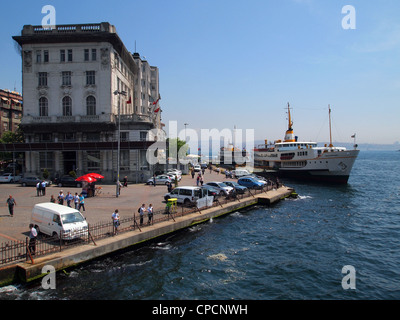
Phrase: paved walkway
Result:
[98,208]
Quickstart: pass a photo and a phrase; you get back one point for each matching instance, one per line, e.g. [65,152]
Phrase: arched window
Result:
[91,106]
[43,107]
[67,106]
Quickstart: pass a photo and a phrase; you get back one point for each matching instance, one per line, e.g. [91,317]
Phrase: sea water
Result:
[295,249]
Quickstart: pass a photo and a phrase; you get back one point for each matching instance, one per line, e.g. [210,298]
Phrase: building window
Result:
[124,136]
[62,55]
[70,55]
[94,54]
[125,157]
[143,136]
[93,160]
[67,106]
[94,137]
[42,79]
[38,56]
[46,160]
[90,78]
[91,106]
[46,56]
[86,55]
[43,107]
[66,78]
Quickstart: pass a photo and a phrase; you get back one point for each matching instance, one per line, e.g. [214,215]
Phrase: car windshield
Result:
[72,217]
[222,185]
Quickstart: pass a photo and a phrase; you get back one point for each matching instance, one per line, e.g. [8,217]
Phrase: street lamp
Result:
[119,93]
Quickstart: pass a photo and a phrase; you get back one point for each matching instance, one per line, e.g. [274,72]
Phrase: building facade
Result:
[11,108]
[80,87]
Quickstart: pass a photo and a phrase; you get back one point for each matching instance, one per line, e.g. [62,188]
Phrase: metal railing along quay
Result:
[26,250]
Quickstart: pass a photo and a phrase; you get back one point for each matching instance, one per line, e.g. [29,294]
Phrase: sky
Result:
[227,63]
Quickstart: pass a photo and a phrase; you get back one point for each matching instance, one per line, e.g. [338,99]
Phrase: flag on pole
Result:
[129,101]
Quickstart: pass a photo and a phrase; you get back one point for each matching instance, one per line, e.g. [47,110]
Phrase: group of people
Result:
[142,211]
[41,188]
[77,200]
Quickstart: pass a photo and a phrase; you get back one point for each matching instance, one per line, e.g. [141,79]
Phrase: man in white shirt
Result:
[32,239]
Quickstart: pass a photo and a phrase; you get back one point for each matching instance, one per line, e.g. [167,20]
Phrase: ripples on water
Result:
[293,250]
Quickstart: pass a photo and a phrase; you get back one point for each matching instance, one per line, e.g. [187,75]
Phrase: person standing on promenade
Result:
[11,203]
[52,199]
[116,223]
[141,213]
[32,239]
[44,184]
[150,213]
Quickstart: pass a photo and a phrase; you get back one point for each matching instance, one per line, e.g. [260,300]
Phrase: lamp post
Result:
[119,93]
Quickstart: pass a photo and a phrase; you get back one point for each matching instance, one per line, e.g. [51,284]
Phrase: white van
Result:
[55,220]
[185,195]
[240,173]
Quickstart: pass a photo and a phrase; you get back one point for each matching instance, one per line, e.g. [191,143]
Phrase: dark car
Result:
[238,188]
[68,181]
[211,191]
[32,182]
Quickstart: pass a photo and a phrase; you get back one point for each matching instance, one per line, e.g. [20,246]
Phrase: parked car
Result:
[211,191]
[68,181]
[32,181]
[239,189]
[172,175]
[250,183]
[196,168]
[222,187]
[9,178]
[161,179]
[258,178]
[239,173]
[185,195]
[175,171]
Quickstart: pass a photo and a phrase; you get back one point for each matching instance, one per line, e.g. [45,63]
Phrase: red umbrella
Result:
[86,178]
[95,175]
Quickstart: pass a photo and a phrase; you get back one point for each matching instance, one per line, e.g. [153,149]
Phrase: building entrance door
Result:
[69,162]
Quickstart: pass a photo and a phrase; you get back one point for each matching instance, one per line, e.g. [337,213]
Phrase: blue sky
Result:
[225,63]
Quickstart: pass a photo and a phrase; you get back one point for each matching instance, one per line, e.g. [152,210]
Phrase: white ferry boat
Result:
[305,160]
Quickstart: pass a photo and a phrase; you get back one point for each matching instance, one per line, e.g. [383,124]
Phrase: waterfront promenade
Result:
[99,209]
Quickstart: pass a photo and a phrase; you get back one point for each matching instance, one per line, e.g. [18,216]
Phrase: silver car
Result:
[161,179]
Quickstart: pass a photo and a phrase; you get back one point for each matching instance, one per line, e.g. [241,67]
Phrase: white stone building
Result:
[70,120]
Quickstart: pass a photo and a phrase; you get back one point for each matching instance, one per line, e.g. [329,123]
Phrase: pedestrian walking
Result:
[125,182]
[198,180]
[32,239]
[150,213]
[11,204]
[69,197]
[81,202]
[201,180]
[116,222]
[192,172]
[60,198]
[142,210]
[76,201]
[52,199]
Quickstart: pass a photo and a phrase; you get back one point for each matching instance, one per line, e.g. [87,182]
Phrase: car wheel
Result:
[60,185]
[167,198]
[78,185]
[24,184]
[186,202]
